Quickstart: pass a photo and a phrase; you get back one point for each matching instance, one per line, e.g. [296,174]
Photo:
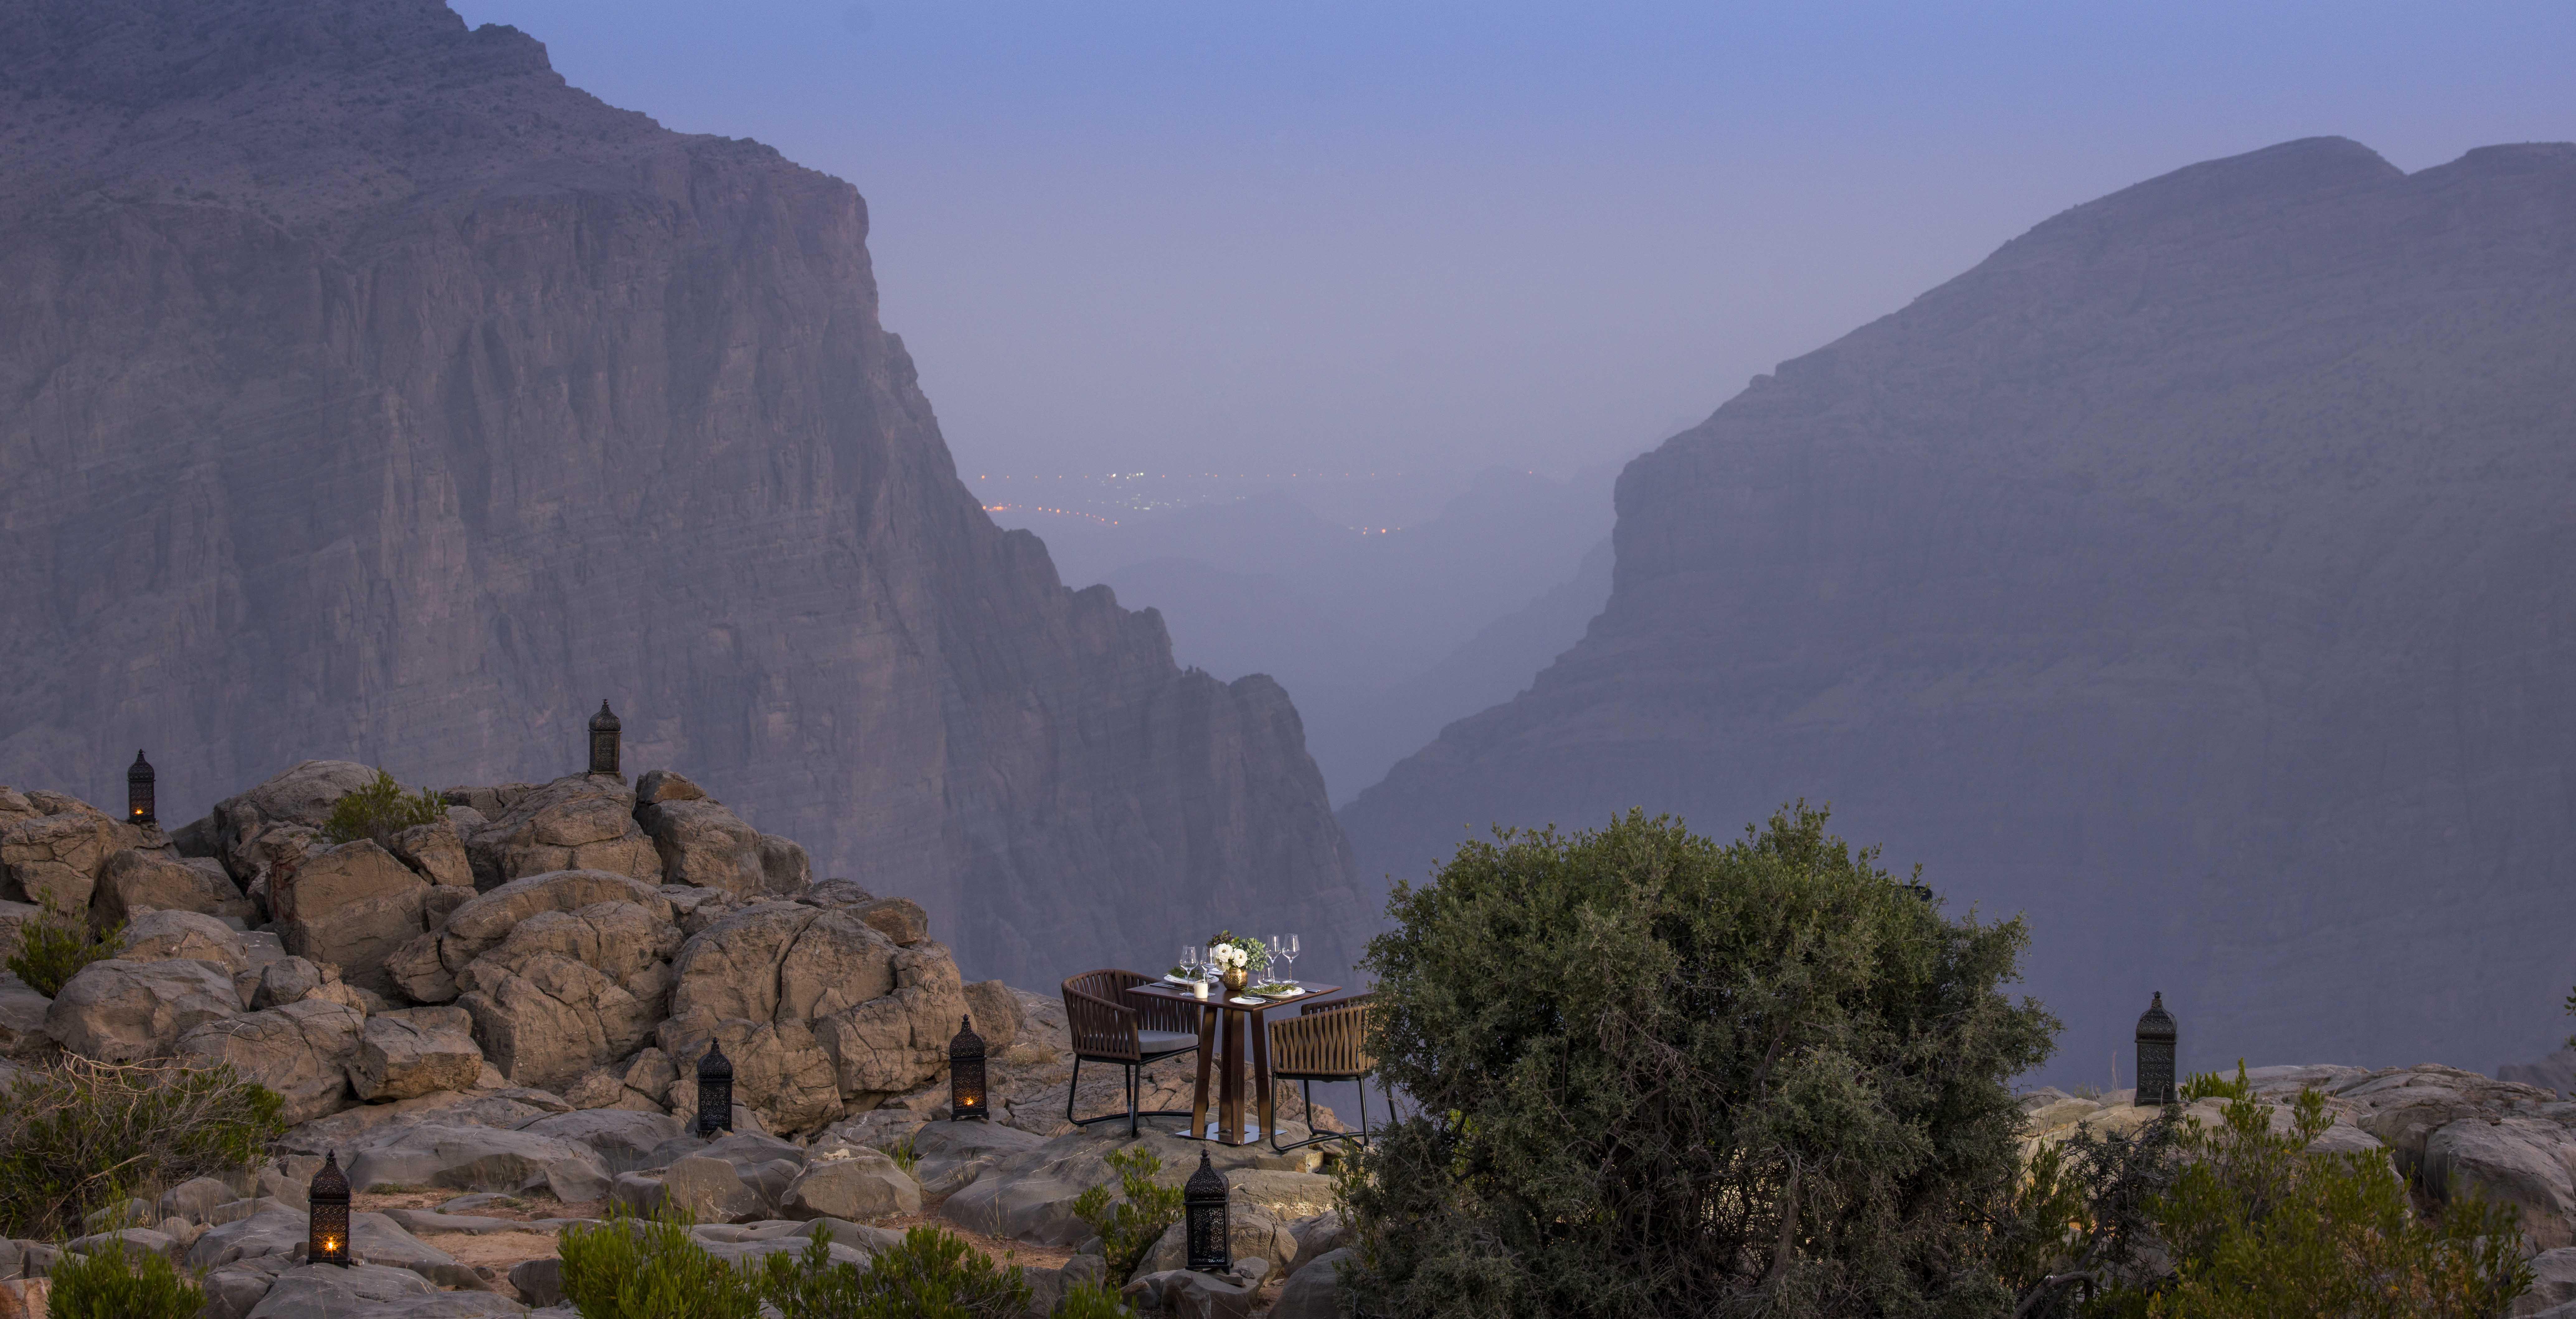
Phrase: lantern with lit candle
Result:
[715,1092]
[604,730]
[138,792]
[966,1075]
[1211,1227]
[327,1215]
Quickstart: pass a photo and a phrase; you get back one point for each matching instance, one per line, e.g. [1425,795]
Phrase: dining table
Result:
[1225,1028]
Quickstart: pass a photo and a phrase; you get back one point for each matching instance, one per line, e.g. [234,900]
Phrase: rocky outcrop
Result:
[2188,576]
[422,401]
[352,905]
[120,1011]
[404,1055]
[301,1050]
[131,881]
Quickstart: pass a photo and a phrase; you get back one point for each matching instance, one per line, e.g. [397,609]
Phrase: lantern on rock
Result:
[604,730]
[327,1215]
[1211,1229]
[2156,1056]
[966,1075]
[715,1092]
[138,792]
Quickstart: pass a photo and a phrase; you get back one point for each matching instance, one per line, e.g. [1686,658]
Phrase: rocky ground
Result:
[493,1022]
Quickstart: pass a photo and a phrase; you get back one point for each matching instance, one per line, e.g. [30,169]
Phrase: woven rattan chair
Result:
[1109,1026]
[1323,1042]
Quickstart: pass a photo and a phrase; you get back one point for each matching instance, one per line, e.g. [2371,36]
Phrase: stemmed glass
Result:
[1191,959]
[1284,947]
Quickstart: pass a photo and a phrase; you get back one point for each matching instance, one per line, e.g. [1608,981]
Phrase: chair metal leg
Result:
[1314,1137]
[1135,1092]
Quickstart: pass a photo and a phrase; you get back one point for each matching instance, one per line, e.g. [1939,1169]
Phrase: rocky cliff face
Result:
[2192,575]
[372,393]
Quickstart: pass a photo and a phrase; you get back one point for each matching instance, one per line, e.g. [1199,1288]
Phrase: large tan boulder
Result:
[158,936]
[997,1013]
[581,822]
[426,968]
[853,1184]
[119,1011]
[407,1054]
[704,844]
[301,1050]
[569,992]
[899,1041]
[437,851]
[785,867]
[2529,1162]
[780,1071]
[56,856]
[297,799]
[132,880]
[353,905]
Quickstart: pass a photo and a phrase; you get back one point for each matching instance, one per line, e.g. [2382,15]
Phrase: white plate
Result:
[1289,993]
[1176,980]
[1248,1002]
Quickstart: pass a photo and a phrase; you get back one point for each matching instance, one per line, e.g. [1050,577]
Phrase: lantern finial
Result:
[2156,1040]
[604,740]
[327,1215]
[138,791]
[715,1091]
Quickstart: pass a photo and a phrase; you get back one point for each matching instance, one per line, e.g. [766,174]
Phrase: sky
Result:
[1432,236]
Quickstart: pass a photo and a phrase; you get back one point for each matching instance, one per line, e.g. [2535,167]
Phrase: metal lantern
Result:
[604,730]
[138,791]
[2156,1056]
[966,1075]
[715,1092]
[327,1219]
[1203,1207]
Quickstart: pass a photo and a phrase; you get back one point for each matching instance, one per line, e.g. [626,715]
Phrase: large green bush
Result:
[1662,1076]
[931,1275]
[630,1268]
[122,1283]
[380,810]
[1130,1227]
[1083,1300]
[54,947]
[81,1134]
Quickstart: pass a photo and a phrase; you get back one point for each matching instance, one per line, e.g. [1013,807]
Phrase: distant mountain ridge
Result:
[2193,574]
[372,393]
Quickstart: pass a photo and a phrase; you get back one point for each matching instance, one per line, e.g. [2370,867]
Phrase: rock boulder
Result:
[117,1010]
[580,822]
[160,936]
[134,880]
[353,905]
[301,1050]
[704,844]
[403,1055]
[56,856]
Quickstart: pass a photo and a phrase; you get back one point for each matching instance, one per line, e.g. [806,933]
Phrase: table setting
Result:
[1230,973]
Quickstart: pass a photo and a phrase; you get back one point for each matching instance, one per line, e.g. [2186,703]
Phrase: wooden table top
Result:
[1217,998]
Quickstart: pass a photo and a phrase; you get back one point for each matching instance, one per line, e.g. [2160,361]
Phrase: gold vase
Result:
[1234,978]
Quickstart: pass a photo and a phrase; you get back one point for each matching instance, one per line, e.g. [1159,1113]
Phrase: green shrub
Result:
[54,947]
[121,1283]
[932,1275]
[1085,1301]
[2258,1228]
[1660,1076]
[903,1153]
[81,1134]
[2084,1219]
[2210,1085]
[631,1268]
[380,810]
[1130,1227]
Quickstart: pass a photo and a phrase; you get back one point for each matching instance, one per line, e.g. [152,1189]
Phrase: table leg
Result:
[1207,1060]
[1261,1070]
[1230,1085]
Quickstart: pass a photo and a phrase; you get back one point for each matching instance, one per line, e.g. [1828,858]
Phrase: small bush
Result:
[903,1154]
[380,810]
[122,1283]
[1085,1301]
[2210,1085]
[630,1268]
[932,1275]
[1131,1227]
[54,947]
[81,1134]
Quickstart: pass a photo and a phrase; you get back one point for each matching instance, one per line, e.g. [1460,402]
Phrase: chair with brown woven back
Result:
[1109,1026]
[1324,1042]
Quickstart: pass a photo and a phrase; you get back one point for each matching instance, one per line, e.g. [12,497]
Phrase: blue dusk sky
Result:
[1163,237]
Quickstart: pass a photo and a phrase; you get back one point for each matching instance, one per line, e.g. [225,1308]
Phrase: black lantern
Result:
[604,729]
[327,1221]
[2156,1056]
[1203,1207]
[715,1092]
[138,792]
[966,1076]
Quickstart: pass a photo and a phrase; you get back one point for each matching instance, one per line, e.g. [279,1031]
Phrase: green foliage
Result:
[81,1134]
[380,810]
[1130,1227]
[2084,1219]
[2259,1228]
[903,1154]
[1255,952]
[1085,1301]
[54,947]
[1661,1076]
[630,1268]
[121,1283]
[2210,1085]
[932,1275]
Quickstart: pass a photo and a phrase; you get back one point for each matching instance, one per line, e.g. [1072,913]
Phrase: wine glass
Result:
[1190,961]
[1286,946]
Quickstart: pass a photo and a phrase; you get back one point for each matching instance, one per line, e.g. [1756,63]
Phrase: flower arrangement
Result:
[1229,951]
